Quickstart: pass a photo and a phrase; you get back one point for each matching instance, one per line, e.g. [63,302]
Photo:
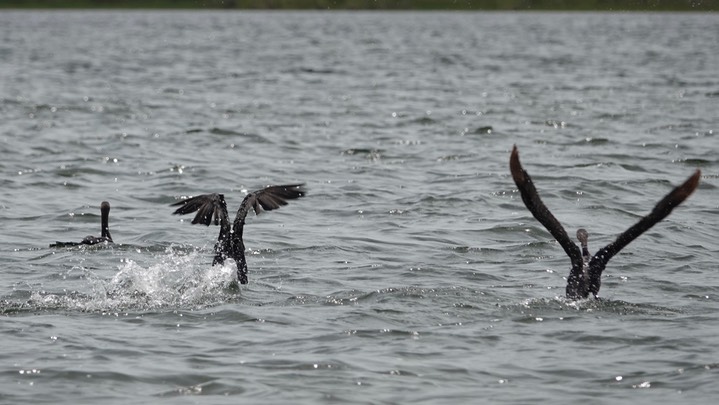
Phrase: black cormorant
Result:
[90,239]
[585,276]
[212,208]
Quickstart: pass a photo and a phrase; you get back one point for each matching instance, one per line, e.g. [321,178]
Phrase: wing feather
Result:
[663,208]
[268,199]
[541,212]
[211,208]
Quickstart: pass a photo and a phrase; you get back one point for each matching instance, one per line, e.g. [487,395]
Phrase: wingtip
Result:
[515,167]
[692,182]
[300,188]
[182,201]
[697,175]
[515,154]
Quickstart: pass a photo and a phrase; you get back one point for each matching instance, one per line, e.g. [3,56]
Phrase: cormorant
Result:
[585,276]
[90,239]
[212,208]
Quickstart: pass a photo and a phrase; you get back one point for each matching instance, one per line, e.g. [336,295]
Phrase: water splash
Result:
[178,280]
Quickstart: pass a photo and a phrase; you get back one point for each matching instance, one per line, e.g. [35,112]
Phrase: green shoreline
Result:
[568,5]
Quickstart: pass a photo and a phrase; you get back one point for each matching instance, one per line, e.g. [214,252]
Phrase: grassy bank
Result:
[650,5]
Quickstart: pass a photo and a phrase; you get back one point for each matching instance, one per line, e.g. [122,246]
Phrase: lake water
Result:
[411,272]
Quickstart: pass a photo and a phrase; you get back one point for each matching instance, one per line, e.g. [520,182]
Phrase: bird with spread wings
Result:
[211,208]
[585,276]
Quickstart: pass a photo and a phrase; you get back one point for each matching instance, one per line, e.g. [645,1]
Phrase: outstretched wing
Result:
[541,212]
[268,199]
[210,208]
[661,210]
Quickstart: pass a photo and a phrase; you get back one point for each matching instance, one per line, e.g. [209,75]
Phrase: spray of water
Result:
[176,279]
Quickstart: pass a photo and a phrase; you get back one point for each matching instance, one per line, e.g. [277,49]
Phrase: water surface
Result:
[412,271]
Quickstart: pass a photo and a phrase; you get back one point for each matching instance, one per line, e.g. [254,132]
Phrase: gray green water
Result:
[412,271]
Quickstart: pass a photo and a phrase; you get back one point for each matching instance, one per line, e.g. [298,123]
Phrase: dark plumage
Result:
[90,239]
[211,208]
[585,276]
